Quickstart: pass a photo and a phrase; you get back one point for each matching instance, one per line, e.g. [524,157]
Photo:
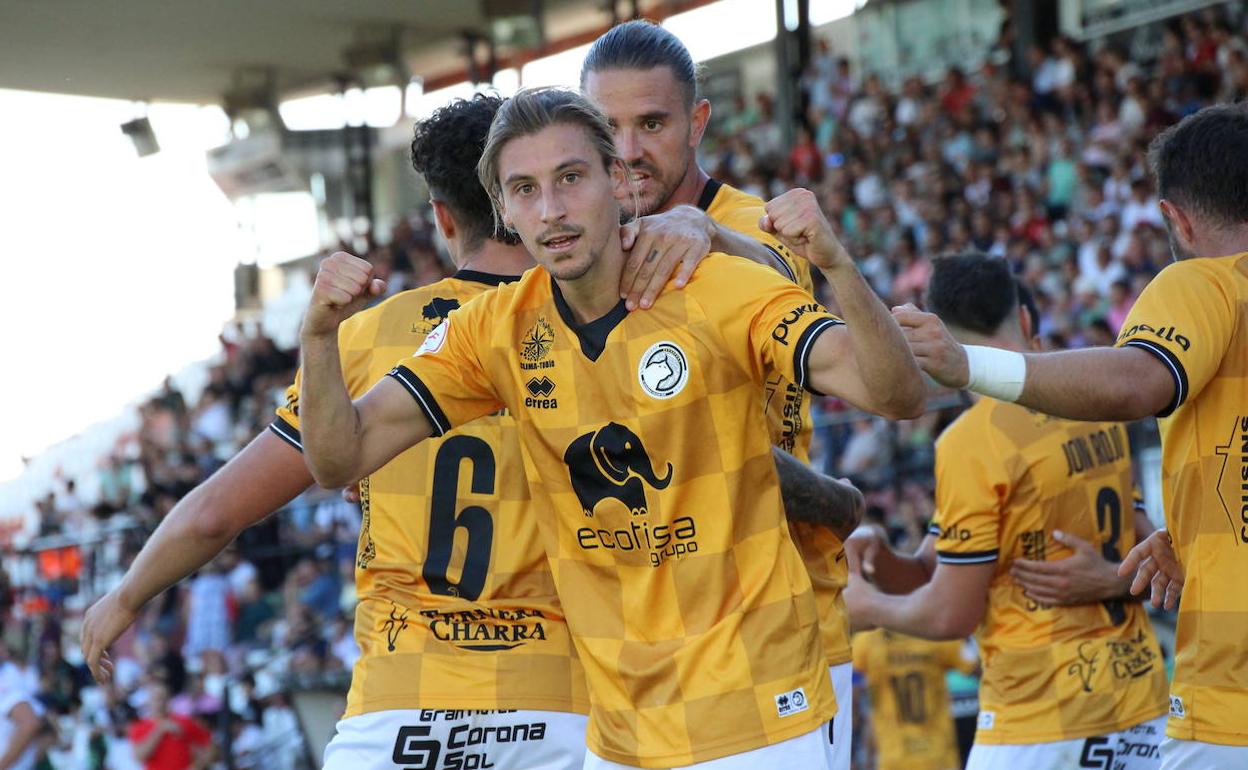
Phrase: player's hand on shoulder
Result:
[797,220]
[344,285]
[1154,563]
[658,246]
[934,348]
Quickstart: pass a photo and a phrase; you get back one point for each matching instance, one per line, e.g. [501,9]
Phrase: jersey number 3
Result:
[473,519]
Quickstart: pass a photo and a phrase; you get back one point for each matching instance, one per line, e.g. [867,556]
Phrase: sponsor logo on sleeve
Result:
[1167,333]
[781,332]
[435,339]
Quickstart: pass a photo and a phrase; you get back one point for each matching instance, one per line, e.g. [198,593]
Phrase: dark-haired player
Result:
[645,81]
[1182,355]
[1062,685]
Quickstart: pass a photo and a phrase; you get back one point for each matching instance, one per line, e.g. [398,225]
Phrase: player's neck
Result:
[688,191]
[496,258]
[1223,242]
[597,292]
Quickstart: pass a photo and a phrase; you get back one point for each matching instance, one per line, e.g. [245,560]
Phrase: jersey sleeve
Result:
[354,361]
[1185,319]
[446,375]
[770,322]
[970,490]
[744,220]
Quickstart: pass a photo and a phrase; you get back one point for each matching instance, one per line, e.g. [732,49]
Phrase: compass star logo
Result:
[537,343]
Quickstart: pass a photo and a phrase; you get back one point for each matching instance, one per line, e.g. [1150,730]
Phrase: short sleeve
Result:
[970,490]
[770,322]
[1185,319]
[744,219]
[354,362]
[446,375]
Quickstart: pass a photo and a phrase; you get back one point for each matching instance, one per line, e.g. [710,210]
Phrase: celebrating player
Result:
[1182,355]
[1061,684]
[665,532]
[643,79]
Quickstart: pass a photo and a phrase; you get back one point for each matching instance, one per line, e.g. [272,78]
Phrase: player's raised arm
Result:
[345,441]
[866,362]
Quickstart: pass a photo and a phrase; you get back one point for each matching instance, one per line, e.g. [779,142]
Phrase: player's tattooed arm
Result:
[810,496]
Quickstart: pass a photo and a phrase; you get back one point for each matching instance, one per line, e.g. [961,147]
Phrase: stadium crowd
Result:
[1047,172]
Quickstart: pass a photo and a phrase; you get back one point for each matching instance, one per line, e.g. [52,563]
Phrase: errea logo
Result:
[791,702]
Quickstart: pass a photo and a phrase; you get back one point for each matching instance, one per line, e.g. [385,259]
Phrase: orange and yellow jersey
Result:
[1194,317]
[788,417]
[457,606]
[1006,478]
[910,707]
[692,612]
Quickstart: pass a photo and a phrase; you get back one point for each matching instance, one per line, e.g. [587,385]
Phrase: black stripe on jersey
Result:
[489,279]
[424,399]
[287,432]
[970,557]
[1176,371]
[932,529]
[801,352]
[783,263]
[708,193]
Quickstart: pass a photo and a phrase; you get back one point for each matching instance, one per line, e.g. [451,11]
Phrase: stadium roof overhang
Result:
[215,50]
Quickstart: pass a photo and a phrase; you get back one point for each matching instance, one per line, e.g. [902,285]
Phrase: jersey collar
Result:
[489,279]
[592,335]
[708,193]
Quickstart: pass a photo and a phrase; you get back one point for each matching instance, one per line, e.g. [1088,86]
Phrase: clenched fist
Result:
[796,219]
[344,285]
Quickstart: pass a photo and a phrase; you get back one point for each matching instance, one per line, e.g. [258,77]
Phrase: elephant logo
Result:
[438,309]
[612,463]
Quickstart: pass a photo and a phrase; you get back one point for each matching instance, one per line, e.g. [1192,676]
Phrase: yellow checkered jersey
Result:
[1194,317]
[788,417]
[690,607]
[1006,479]
[457,606]
[910,708]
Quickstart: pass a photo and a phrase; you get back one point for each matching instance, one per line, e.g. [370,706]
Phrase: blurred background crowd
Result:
[1040,163]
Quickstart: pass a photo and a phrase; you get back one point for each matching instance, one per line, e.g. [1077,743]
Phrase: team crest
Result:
[663,370]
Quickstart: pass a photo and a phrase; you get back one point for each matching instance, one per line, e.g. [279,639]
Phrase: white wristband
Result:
[996,373]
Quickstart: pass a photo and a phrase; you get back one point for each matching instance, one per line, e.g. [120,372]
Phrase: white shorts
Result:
[433,739]
[1185,755]
[1135,748]
[841,728]
[805,752]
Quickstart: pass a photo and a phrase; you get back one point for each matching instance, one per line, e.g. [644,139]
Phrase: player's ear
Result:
[699,119]
[444,219]
[1180,223]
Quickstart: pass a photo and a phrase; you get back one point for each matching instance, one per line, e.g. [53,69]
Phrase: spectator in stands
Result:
[164,740]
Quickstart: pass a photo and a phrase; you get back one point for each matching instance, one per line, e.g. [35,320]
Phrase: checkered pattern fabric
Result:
[457,604]
[788,418]
[692,611]
[1194,317]
[1006,478]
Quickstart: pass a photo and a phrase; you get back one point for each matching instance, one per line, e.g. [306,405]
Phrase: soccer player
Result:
[451,629]
[1062,684]
[1182,355]
[644,80]
[689,605]
[910,710]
